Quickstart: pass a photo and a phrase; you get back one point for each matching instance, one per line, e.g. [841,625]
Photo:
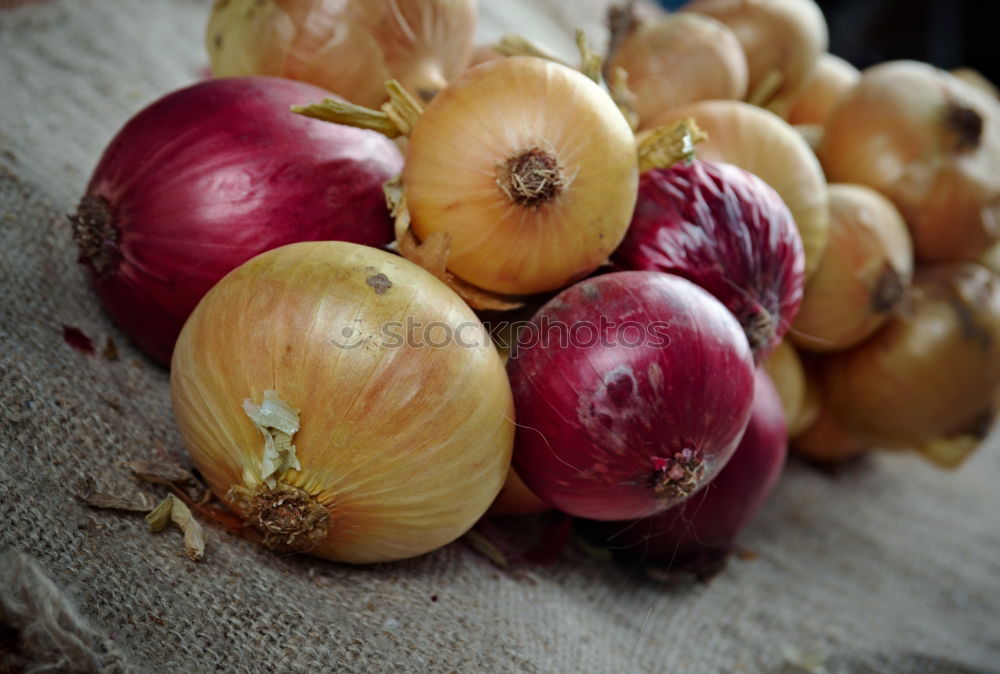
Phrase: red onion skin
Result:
[600,428]
[705,525]
[211,175]
[728,231]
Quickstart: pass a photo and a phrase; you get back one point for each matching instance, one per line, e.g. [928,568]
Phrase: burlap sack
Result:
[892,566]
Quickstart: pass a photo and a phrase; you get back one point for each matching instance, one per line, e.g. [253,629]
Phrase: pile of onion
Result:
[632,390]
[932,371]
[524,167]
[762,143]
[726,230]
[350,47]
[781,38]
[207,177]
[863,277]
[696,532]
[344,402]
[680,58]
[931,143]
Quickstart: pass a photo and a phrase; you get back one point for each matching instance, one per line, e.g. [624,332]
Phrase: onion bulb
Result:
[831,78]
[344,402]
[678,59]
[525,166]
[789,379]
[929,373]
[632,390]
[207,177]
[781,38]
[516,499]
[931,143]
[696,532]
[726,230]
[825,441]
[349,47]
[863,276]
[762,143]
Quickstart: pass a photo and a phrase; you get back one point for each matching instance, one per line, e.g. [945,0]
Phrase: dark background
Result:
[947,33]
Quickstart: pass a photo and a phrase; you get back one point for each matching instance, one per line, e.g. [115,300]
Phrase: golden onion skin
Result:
[930,372]
[455,180]
[405,448]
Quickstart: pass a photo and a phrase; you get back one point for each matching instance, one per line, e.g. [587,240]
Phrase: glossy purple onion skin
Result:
[728,231]
[211,175]
[597,421]
[707,523]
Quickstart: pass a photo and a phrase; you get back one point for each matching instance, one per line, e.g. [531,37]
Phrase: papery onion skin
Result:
[931,143]
[705,526]
[762,143]
[831,78]
[209,176]
[350,47]
[789,378]
[404,442]
[781,38]
[930,372]
[726,230]
[681,58]
[628,421]
[863,277]
[505,118]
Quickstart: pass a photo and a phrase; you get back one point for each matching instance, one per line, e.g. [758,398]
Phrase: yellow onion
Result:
[976,79]
[931,143]
[781,38]
[516,499]
[524,166]
[930,373]
[826,441]
[785,369]
[349,47]
[344,402]
[862,278]
[761,142]
[678,59]
[830,79]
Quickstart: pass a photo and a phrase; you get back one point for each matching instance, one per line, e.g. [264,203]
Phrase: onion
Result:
[863,276]
[516,499]
[349,47]
[704,527]
[823,438]
[831,78]
[679,59]
[928,374]
[528,200]
[931,143]
[726,230]
[764,144]
[344,402]
[209,176]
[632,390]
[782,40]
[789,378]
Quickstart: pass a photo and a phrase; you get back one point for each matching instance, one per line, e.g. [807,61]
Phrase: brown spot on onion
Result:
[95,234]
[288,518]
[966,124]
[380,283]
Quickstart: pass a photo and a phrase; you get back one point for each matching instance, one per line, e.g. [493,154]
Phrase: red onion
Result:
[211,175]
[728,231]
[631,391]
[704,526]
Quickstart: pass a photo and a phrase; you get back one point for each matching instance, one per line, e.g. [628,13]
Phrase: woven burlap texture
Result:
[890,566]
